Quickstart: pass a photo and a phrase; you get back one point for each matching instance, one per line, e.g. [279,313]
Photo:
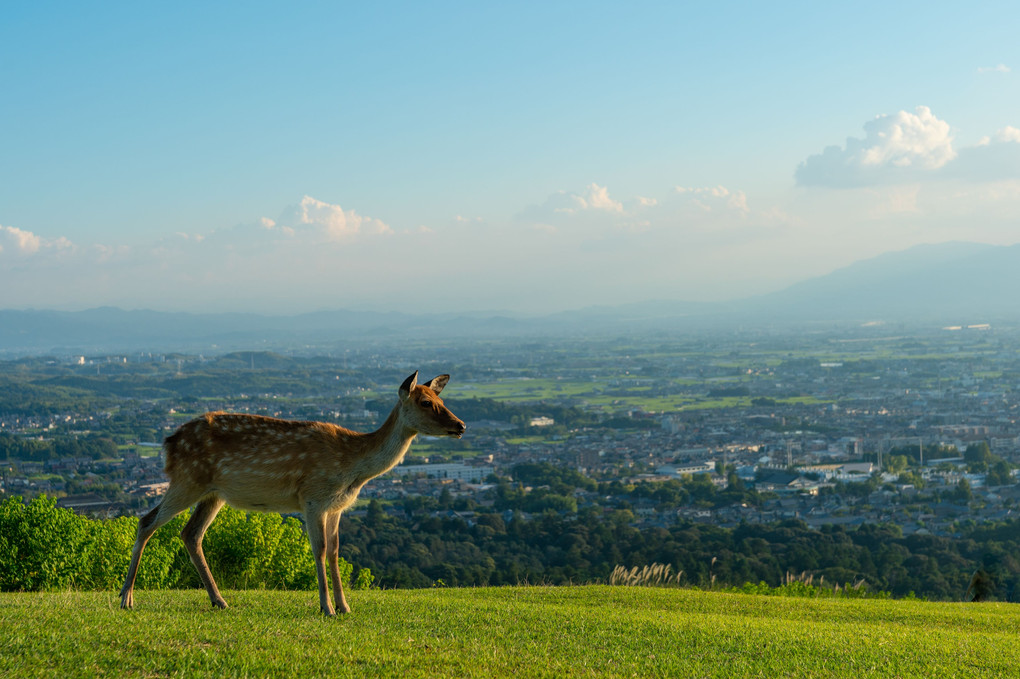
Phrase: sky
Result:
[524,157]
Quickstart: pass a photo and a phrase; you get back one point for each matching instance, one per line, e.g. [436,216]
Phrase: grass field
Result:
[590,631]
[616,396]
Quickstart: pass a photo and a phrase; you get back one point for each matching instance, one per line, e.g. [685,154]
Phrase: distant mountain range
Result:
[946,282]
[949,283]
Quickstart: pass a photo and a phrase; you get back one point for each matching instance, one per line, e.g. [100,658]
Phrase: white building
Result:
[447,470]
[706,467]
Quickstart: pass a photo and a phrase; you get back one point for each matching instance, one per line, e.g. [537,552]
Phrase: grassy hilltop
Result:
[509,631]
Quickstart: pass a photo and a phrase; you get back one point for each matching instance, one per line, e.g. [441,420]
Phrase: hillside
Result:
[949,282]
[511,631]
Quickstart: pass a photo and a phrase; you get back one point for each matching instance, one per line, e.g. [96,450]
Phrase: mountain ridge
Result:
[955,282]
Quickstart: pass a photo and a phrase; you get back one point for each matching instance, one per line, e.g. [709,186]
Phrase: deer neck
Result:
[389,444]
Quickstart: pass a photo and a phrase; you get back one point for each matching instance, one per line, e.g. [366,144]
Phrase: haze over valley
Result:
[926,286]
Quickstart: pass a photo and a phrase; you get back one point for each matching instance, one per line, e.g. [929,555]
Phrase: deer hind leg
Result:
[332,554]
[192,535]
[315,524]
[174,502]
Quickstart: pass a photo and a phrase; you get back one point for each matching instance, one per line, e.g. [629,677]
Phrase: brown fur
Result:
[267,464]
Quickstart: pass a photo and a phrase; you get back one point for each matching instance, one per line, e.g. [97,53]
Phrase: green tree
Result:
[895,464]
[978,456]
[963,491]
[999,473]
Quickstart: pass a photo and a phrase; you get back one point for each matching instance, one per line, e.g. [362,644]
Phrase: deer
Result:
[266,464]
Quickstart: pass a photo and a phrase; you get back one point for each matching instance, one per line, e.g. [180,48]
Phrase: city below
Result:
[842,426]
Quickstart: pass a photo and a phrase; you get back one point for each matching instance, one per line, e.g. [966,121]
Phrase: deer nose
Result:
[458,429]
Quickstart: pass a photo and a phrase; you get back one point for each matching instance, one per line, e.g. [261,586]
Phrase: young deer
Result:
[270,465]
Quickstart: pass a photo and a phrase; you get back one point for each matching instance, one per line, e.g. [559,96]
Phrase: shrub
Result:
[45,547]
[803,585]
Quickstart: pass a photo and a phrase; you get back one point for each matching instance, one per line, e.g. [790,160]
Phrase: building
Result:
[447,470]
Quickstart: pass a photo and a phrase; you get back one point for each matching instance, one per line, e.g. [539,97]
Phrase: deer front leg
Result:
[332,554]
[146,527]
[315,524]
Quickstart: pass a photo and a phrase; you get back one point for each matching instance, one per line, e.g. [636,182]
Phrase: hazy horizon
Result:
[527,159]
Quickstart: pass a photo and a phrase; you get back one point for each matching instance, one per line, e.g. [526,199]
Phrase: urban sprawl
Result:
[842,425]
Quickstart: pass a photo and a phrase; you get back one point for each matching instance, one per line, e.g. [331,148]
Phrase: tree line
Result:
[46,547]
[93,446]
[497,548]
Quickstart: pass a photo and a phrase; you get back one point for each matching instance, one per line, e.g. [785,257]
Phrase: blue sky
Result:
[529,157]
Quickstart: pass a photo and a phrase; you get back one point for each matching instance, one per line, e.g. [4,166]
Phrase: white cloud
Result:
[994,158]
[1000,68]
[1004,136]
[270,224]
[597,198]
[896,148]
[711,198]
[329,220]
[18,242]
[593,200]
[311,222]
[906,140]
[907,149]
[703,212]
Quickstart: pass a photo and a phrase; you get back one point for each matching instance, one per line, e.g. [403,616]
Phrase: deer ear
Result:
[436,384]
[409,384]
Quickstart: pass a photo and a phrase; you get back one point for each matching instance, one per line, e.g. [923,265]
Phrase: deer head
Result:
[422,410]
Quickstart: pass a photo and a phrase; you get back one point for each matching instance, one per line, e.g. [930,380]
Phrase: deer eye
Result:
[425,403]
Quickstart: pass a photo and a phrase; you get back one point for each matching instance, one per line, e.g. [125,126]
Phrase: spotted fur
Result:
[273,465]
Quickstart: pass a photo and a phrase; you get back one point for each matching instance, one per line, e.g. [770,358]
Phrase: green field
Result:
[590,631]
[614,395]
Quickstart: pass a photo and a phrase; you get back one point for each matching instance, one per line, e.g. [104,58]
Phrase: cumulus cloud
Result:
[597,198]
[18,242]
[593,200]
[311,222]
[327,219]
[268,225]
[1005,135]
[896,148]
[912,148]
[594,209]
[1000,68]
[600,220]
[994,158]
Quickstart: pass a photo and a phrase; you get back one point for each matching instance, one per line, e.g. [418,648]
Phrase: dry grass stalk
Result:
[654,575]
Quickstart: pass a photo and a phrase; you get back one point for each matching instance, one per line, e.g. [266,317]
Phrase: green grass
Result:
[45,477]
[591,631]
[535,440]
[443,448]
[619,394]
[529,389]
